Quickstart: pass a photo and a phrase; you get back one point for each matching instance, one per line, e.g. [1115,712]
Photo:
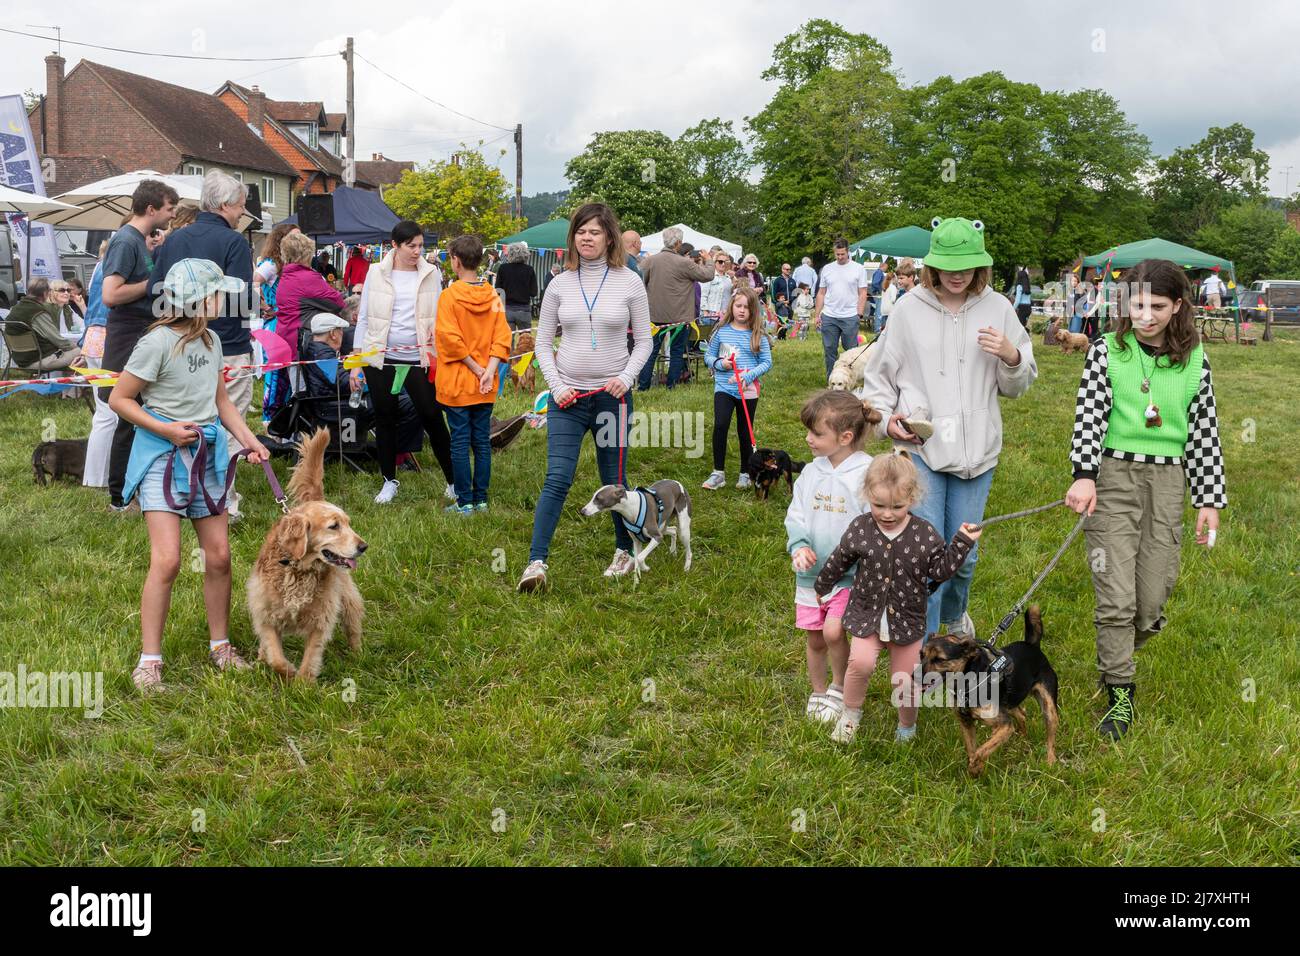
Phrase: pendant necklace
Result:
[1152,413]
[591,303]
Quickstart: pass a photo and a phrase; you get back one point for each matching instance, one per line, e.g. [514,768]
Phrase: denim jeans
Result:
[471,425]
[565,430]
[838,332]
[681,335]
[949,501]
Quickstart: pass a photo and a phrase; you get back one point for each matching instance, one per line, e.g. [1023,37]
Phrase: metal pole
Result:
[519,171]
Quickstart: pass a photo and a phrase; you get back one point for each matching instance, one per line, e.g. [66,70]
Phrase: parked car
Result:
[1281,297]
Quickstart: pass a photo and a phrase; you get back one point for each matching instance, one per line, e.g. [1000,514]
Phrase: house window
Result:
[238,177]
[268,191]
[193,170]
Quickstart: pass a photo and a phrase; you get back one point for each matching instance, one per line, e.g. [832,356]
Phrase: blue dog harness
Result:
[637,528]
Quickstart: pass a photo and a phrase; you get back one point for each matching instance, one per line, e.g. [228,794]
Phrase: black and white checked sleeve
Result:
[1091,413]
[1203,456]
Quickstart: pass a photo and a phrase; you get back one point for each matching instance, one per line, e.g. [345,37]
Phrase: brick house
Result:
[96,118]
[302,134]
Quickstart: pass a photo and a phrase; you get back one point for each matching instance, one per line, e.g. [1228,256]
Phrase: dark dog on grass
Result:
[767,465]
[994,692]
[64,458]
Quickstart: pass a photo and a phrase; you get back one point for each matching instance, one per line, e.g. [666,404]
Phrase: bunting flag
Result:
[399,378]
[40,388]
[330,367]
[503,375]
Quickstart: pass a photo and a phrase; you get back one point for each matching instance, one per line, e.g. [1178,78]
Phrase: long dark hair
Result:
[1163,278]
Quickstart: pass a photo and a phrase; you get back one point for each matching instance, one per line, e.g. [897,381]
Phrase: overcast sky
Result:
[567,69]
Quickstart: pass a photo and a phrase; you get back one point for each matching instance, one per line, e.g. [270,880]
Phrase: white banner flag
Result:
[20,167]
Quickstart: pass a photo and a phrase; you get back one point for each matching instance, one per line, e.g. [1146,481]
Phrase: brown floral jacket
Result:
[892,575]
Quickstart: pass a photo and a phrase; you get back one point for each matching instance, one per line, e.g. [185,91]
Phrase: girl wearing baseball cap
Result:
[172,391]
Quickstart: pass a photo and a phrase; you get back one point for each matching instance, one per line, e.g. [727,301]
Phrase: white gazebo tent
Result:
[655,242]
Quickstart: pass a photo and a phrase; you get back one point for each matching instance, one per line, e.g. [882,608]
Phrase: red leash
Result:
[622,423]
[740,387]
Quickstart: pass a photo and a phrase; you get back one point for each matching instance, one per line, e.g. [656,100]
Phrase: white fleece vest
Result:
[379,310]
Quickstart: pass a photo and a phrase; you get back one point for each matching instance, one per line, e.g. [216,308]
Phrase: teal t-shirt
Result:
[181,385]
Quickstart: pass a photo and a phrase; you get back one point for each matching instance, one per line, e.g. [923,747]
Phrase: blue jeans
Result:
[471,425]
[681,335]
[949,501]
[565,430]
[837,332]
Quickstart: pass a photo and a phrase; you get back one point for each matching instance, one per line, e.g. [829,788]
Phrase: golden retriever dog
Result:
[302,582]
[1072,342]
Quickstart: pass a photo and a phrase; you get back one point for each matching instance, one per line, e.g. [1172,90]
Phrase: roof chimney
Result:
[256,109]
[376,157]
[54,103]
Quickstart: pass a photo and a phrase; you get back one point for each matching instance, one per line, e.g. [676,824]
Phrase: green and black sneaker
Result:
[1119,718]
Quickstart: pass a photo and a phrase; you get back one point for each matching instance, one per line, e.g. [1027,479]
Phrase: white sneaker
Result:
[449,493]
[620,566]
[388,492]
[832,705]
[844,730]
[965,626]
[715,481]
[816,704]
[534,577]
[744,481]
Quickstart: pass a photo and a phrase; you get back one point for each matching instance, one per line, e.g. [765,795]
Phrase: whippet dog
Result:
[646,513]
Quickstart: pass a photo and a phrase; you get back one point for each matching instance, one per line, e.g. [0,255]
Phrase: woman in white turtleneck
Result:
[591,303]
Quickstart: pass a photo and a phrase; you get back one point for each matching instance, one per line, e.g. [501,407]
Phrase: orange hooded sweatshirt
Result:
[471,323]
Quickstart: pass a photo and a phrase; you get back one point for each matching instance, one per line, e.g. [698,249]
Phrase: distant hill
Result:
[541,207]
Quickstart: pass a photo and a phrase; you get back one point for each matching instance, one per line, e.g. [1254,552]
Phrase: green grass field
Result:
[606,723]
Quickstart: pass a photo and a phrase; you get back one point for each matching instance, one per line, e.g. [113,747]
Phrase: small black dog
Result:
[767,465]
[995,692]
[64,458]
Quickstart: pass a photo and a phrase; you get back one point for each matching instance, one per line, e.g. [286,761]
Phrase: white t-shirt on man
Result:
[1213,285]
[842,283]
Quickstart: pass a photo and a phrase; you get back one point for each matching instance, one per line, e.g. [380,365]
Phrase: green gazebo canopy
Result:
[911,241]
[1131,253]
[553,234]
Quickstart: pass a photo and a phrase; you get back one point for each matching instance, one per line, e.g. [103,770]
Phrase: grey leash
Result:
[1021,514]
[1011,616]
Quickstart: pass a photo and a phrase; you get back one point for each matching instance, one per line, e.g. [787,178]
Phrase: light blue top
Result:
[751,365]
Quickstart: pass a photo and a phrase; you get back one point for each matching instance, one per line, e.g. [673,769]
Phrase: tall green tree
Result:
[726,202]
[642,174]
[540,207]
[1047,185]
[822,142]
[1194,185]
[457,198]
[1248,233]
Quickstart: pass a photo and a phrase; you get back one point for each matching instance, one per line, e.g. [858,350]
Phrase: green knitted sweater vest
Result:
[1173,389]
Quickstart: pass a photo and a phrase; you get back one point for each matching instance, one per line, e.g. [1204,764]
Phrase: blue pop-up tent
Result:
[360,216]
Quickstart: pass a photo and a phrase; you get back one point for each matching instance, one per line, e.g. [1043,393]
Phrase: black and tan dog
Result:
[62,458]
[995,692]
[767,465]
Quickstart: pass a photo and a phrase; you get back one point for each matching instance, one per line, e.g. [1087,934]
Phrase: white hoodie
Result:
[826,499]
[928,363]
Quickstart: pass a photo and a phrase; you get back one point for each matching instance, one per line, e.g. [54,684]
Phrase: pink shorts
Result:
[814,618]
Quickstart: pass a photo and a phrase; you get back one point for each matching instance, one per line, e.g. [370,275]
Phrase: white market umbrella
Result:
[32,206]
[104,204]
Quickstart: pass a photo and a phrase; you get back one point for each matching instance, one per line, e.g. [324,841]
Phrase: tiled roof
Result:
[335,123]
[289,111]
[73,172]
[382,172]
[198,124]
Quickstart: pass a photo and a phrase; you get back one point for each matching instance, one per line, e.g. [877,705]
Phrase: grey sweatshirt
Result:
[930,361]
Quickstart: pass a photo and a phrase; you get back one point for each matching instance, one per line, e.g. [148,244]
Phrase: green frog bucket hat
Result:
[956,245]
